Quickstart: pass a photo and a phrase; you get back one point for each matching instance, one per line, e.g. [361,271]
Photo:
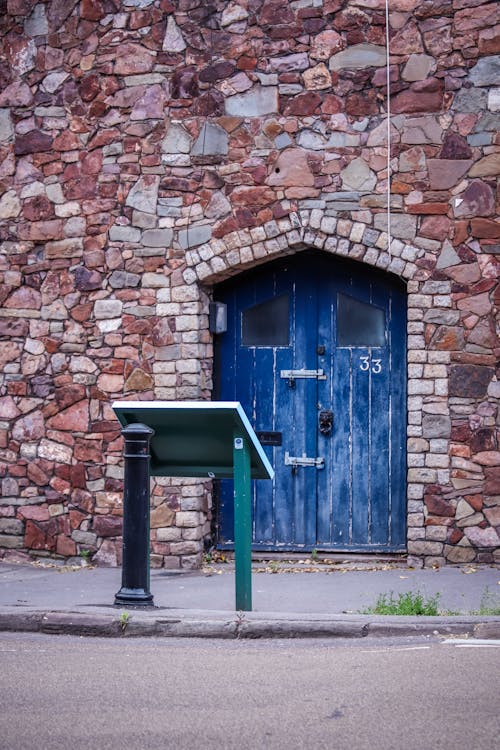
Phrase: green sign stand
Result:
[242,522]
[207,439]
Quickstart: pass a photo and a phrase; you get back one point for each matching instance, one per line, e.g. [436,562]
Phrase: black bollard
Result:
[135,562]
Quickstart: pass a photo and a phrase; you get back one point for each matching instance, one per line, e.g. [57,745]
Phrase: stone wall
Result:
[150,149]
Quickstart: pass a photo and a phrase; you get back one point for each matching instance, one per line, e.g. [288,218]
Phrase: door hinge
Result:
[303,460]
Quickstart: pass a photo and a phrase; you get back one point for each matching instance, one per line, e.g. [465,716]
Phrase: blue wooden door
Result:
[315,352]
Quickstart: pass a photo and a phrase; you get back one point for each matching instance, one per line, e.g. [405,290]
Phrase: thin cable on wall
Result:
[388,120]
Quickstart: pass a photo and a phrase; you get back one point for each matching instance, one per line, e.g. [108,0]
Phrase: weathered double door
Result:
[315,352]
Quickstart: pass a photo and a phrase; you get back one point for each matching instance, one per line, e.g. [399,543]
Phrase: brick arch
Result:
[222,258]
[427,373]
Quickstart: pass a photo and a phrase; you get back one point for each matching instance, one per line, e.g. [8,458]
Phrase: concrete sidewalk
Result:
[303,599]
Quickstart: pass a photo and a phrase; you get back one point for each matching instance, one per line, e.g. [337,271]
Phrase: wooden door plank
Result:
[360,441]
[325,361]
[379,458]
[283,506]
[304,397]
[263,417]
[341,469]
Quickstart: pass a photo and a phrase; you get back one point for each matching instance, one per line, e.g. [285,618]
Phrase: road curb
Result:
[25,623]
[408,629]
[69,623]
[488,630]
[139,625]
[302,629]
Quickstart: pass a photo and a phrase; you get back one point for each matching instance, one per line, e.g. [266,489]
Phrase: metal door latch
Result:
[303,460]
[292,375]
[319,374]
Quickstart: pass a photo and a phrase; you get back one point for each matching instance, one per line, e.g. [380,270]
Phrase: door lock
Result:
[325,421]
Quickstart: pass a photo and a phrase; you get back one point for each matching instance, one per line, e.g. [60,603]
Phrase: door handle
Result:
[325,421]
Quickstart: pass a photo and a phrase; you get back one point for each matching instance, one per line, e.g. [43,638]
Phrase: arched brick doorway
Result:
[315,350]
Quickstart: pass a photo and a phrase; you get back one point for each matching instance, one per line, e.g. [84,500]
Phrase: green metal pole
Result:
[242,522]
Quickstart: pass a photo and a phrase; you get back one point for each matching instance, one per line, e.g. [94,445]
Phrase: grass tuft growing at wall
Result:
[405,604]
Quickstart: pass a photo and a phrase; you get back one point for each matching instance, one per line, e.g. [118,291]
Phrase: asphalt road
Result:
[79,693]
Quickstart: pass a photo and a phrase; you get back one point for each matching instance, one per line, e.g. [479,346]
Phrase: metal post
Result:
[135,562]
[242,522]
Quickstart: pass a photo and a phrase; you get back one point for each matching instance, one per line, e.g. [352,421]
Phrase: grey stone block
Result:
[6,129]
[436,426]
[256,102]
[157,238]
[195,235]
[212,141]
[11,526]
[359,56]
[486,72]
[118,233]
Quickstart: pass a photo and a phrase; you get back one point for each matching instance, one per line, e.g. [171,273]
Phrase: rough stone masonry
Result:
[150,149]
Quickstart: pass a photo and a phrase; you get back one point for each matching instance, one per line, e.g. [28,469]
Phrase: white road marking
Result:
[390,648]
[472,642]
